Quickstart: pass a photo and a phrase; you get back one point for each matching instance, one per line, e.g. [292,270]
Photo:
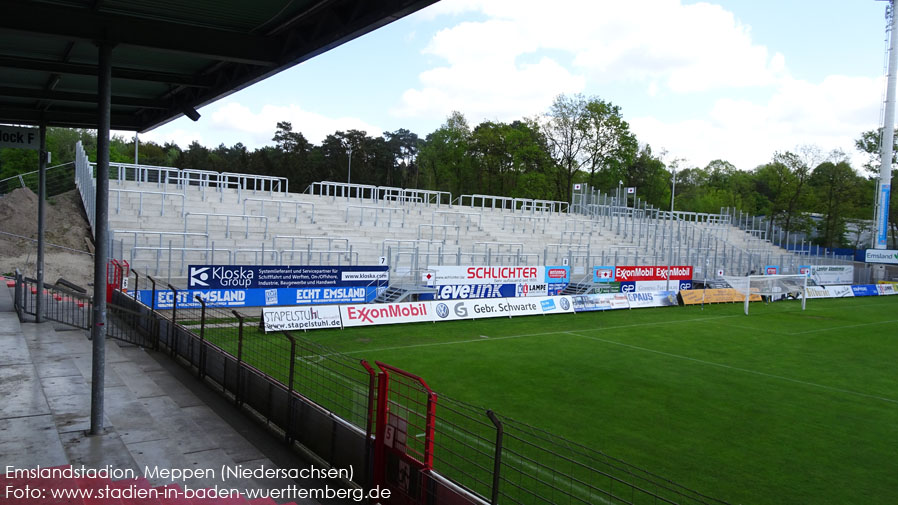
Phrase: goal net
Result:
[770,286]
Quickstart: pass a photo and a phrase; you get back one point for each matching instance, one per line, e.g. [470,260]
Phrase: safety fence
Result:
[60,178]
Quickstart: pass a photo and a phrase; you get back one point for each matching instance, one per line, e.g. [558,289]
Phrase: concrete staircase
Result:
[162,228]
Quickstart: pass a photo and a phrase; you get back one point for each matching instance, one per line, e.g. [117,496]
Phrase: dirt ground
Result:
[66,252]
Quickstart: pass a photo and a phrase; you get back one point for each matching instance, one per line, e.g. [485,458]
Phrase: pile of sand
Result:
[66,227]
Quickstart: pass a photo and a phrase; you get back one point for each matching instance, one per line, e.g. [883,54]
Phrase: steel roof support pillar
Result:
[101,242]
[41,221]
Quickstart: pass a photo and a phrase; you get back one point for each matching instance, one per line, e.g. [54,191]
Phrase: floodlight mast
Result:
[880,239]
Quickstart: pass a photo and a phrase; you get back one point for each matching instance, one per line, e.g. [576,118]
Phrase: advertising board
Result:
[603,274]
[882,256]
[839,291]
[268,276]
[301,318]
[817,292]
[385,313]
[603,301]
[447,275]
[483,308]
[260,297]
[457,275]
[865,290]
[165,298]
[460,282]
[771,270]
[652,299]
[726,295]
[832,274]
[652,273]
[886,289]
[642,286]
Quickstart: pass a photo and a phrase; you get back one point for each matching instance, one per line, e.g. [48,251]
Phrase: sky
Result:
[736,80]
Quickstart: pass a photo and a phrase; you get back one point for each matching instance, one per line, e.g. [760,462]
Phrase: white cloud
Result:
[257,128]
[178,136]
[682,48]
[831,115]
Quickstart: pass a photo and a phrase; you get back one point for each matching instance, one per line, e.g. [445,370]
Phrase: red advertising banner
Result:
[652,273]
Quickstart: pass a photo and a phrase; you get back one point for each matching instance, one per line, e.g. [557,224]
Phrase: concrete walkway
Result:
[156,413]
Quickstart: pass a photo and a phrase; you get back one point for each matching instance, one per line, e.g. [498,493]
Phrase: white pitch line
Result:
[508,337]
[720,365]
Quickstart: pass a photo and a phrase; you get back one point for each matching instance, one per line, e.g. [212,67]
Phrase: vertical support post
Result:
[237,396]
[881,217]
[497,458]
[172,340]
[98,330]
[288,430]
[201,365]
[41,221]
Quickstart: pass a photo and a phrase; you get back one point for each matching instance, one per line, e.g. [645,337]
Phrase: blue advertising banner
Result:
[268,276]
[603,274]
[558,275]
[882,217]
[865,290]
[258,297]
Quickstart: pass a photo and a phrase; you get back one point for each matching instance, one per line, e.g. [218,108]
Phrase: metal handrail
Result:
[164,194]
[280,203]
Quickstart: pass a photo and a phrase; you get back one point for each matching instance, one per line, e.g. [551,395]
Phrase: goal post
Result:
[770,285]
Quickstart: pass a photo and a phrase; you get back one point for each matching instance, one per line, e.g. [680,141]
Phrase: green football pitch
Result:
[779,407]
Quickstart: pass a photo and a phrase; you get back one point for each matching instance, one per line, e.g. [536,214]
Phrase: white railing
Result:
[361,192]
[445,228]
[87,185]
[524,205]
[227,219]
[524,223]
[422,196]
[319,242]
[147,235]
[456,218]
[162,196]
[280,203]
[378,212]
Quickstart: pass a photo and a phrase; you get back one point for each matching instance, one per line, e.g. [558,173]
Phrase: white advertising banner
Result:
[640,300]
[825,275]
[602,301]
[886,289]
[453,310]
[385,313]
[448,275]
[301,318]
[882,256]
[817,292]
[839,291]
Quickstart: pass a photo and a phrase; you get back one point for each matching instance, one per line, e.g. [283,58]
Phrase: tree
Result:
[836,189]
[404,146]
[564,130]
[609,145]
[444,158]
[648,174]
[784,183]
[869,144]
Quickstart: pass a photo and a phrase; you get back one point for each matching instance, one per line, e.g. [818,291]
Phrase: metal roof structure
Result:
[169,57]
